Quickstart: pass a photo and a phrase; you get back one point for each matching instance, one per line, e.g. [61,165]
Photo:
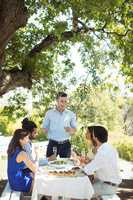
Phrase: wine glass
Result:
[55,151]
[83,157]
[66,123]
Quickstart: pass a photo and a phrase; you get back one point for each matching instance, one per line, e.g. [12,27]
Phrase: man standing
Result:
[105,163]
[59,123]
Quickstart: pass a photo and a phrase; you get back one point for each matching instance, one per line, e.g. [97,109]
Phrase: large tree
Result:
[34,32]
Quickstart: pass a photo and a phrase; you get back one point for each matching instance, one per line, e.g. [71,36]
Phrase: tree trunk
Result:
[13,15]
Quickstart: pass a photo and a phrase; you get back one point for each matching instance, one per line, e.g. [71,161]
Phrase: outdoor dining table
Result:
[77,187]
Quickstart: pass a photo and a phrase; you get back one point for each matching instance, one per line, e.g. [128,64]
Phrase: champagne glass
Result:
[83,157]
[66,123]
[37,152]
[83,153]
[90,154]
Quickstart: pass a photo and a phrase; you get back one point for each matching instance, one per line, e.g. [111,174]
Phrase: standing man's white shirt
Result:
[105,164]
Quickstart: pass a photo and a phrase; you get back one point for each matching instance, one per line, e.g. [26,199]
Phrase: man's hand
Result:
[45,130]
[70,130]
[84,160]
[67,129]
[52,157]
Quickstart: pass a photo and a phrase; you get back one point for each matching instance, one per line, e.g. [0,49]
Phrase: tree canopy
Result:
[34,33]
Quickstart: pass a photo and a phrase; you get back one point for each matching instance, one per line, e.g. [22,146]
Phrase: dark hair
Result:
[61,94]
[28,125]
[90,129]
[99,132]
[14,143]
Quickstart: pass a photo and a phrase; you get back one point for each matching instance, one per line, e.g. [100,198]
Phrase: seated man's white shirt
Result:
[105,164]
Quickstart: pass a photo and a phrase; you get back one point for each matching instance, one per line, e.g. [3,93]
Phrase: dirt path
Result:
[125,190]
[2,185]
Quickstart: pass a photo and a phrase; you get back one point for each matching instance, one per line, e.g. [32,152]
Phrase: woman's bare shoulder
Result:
[22,156]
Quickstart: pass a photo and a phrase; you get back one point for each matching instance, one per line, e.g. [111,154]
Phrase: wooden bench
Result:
[110,197]
[9,194]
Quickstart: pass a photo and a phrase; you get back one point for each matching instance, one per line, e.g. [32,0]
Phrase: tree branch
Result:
[74,20]
[115,33]
[15,78]
[51,39]
[102,29]
[44,44]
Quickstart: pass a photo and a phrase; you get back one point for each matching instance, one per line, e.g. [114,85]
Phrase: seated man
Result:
[105,163]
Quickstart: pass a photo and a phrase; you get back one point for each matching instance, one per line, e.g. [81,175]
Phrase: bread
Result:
[62,173]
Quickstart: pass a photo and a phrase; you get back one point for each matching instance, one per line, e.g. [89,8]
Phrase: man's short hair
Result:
[61,94]
[99,132]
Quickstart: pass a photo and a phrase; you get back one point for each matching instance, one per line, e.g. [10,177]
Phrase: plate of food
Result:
[77,172]
[61,161]
[62,173]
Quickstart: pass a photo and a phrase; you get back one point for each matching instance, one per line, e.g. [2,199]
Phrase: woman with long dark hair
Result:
[18,159]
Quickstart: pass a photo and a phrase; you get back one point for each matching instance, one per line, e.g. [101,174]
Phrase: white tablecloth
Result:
[68,187]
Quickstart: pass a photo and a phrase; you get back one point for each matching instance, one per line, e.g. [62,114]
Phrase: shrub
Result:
[125,150]
[79,143]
